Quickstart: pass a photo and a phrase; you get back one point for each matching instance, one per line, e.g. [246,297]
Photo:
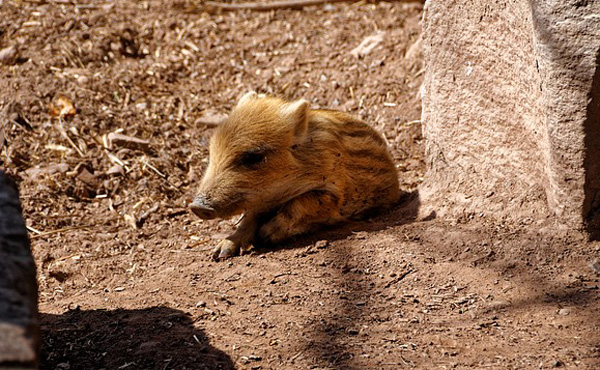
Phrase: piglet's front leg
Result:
[239,242]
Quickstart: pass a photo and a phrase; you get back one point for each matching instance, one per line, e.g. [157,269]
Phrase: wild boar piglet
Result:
[290,170]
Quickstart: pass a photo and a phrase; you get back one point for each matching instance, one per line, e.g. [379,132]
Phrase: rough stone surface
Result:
[19,336]
[510,109]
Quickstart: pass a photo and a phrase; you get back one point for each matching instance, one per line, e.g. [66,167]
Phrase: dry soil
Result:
[124,269]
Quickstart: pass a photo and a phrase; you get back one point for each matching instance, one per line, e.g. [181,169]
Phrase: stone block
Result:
[511,109]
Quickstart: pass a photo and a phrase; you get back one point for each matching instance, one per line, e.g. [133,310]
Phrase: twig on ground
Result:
[280,275]
[63,132]
[286,4]
[142,218]
[399,278]
[113,158]
[31,229]
[295,356]
[146,163]
[45,233]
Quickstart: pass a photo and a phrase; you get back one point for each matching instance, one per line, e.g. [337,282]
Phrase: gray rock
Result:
[19,332]
[511,107]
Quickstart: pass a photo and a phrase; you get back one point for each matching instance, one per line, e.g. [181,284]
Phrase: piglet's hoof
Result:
[225,249]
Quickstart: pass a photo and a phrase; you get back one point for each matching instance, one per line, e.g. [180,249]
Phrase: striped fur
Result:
[303,168]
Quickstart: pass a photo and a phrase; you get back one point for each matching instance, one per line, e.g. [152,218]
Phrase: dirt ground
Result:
[124,269]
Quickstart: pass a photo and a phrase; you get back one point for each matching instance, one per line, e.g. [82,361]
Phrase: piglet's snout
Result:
[202,208]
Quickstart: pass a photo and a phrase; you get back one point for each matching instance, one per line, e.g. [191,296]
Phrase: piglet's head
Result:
[252,165]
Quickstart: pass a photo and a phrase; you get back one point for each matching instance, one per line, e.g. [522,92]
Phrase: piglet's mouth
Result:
[202,211]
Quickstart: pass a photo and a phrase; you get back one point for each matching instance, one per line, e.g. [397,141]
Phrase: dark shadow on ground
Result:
[332,344]
[574,295]
[158,338]
[336,336]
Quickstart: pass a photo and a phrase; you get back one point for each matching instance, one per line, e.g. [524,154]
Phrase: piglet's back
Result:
[362,163]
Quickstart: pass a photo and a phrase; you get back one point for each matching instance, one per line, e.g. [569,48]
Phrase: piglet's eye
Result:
[252,158]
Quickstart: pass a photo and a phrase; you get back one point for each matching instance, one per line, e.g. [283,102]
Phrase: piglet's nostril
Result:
[201,207]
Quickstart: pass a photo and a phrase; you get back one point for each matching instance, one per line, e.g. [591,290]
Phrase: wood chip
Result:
[62,107]
[211,120]
[368,44]
[123,141]
[286,4]
[88,178]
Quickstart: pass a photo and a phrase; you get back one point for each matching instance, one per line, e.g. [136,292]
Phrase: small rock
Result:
[88,178]
[322,244]
[352,331]
[557,363]
[595,266]
[247,359]
[201,304]
[115,170]
[83,80]
[9,54]
[564,311]
[361,235]
[350,104]
[59,167]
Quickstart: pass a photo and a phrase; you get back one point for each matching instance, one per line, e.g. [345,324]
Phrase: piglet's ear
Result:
[249,96]
[296,114]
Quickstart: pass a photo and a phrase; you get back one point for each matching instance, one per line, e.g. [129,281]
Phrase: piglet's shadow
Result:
[404,213]
[150,338]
